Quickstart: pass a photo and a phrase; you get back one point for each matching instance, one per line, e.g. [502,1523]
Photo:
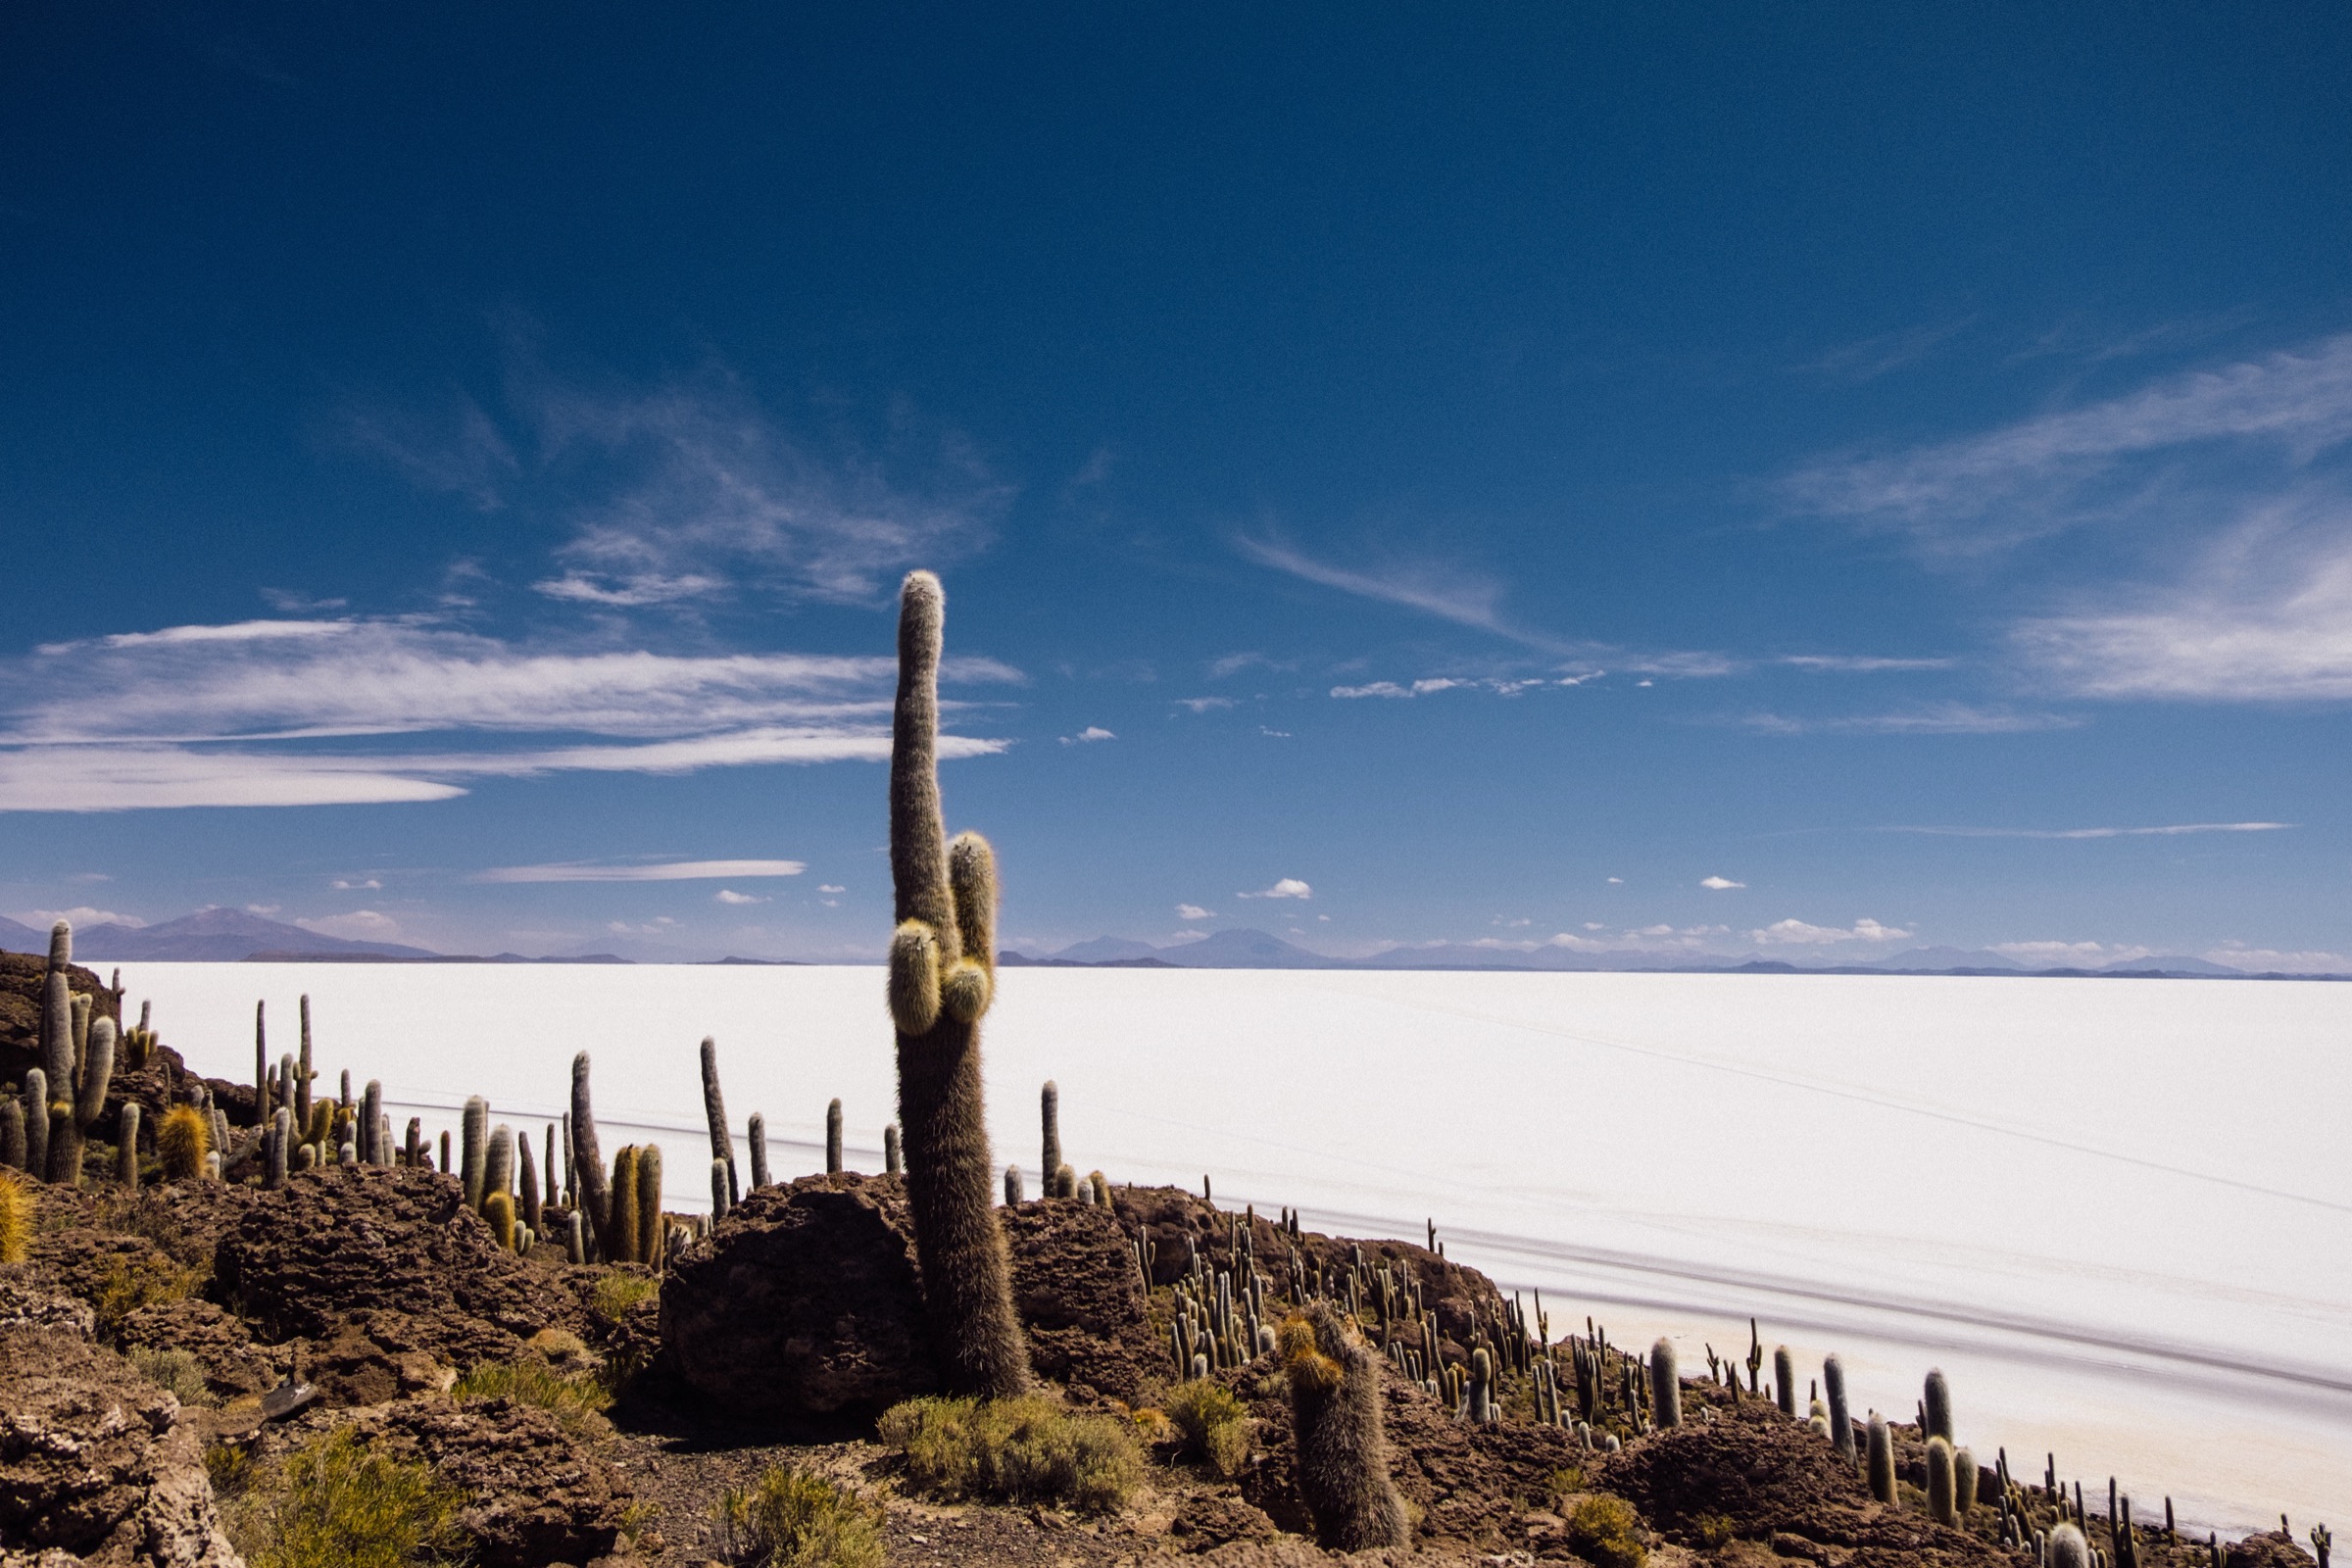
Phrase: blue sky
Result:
[1495,474]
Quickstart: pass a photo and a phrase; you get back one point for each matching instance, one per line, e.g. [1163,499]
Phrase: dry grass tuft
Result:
[797,1519]
[1214,1425]
[1026,1450]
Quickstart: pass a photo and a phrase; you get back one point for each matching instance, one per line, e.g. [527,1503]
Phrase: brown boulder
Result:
[2273,1548]
[392,1252]
[95,1461]
[802,1303]
[221,1344]
[1081,1297]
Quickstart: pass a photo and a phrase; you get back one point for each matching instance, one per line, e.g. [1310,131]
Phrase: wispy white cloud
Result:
[229,715]
[2049,954]
[355,883]
[2263,613]
[2274,961]
[359,925]
[1235,663]
[1860,663]
[730,896]
[1870,358]
[2056,471]
[1798,933]
[1204,704]
[1193,911]
[1432,587]
[650,871]
[82,914]
[1936,718]
[1088,736]
[1290,887]
[1719,884]
[2166,830]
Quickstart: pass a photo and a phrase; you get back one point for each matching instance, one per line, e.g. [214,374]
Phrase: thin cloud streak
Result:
[2169,831]
[656,872]
[1942,719]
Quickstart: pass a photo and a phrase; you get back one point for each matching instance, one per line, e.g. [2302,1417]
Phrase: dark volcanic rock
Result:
[21,978]
[534,1493]
[2273,1548]
[394,1254]
[1080,1296]
[802,1303]
[95,1461]
[221,1344]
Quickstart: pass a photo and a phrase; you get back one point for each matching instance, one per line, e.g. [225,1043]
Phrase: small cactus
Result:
[757,1134]
[2320,1541]
[475,1136]
[1665,1386]
[127,1147]
[1936,1407]
[1049,1107]
[714,1112]
[2067,1549]
[12,1134]
[621,1243]
[1097,1189]
[1065,1182]
[892,1164]
[499,1209]
[372,1117]
[652,1235]
[416,1142]
[1012,1185]
[498,1164]
[1964,1481]
[587,1163]
[1943,1504]
[1882,1461]
[304,1074]
[1482,1386]
[181,1140]
[36,1122]
[575,1238]
[718,1190]
[1841,1423]
[1784,1380]
[529,1172]
[833,1138]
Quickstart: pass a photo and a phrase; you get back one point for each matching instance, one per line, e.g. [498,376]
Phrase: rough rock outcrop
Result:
[21,975]
[218,1340]
[1081,1297]
[803,1302]
[94,1459]
[393,1256]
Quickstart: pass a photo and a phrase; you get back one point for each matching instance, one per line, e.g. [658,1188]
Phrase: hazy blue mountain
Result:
[1105,949]
[1244,950]
[1946,958]
[2169,963]
[218,935]
[16,936]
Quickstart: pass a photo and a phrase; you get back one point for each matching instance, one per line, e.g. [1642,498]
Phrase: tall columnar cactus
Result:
[181,1140]
[2069,1548]
[1012,1185]
[625,1242]
[1336,1420]
[1048,1111]
[1881,1460]
[474,1150]
[1784,1380]
[77,1102]
[575,1238]
[755,1134]
[372,1117]
[1482,1386]
[1964,1481]
[531,1211]
[280,1143]
[942,976]
[715,1112]
[498,1163]
[553,1193]
[127,1147]
[415,1143]
[1665,1386]
[1943,1502]
[833,1138]
[653,1235]
[719,1191]
[587,1165]
[262,1106]
[892,1164]
[12,1134]
[1938,1406]
[36,1122]
[1841,1424]
[303,1071]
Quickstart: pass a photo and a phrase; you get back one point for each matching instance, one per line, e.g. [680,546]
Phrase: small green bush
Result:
[797,1519]
[577,1404]
[345,1507]
[1605,1530]
[1213,1423]
[1714,1531]
[175,1371]
[615,1293]
[144,1280]
[1027,1449]
[1563,1484]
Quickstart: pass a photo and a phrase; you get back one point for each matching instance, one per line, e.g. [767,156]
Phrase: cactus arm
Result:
[98,1072]
[918,871]
[588,1162]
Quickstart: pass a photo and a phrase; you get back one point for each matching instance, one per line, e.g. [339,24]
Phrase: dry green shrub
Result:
[798,1519]
[1563,1484]
[175,1371]
[1026,1450]
[577,1404]
[615,1292]
[229,1467]
[1713,1531]
[343,1505]
[1214,1425]
[143,1281]
[1605,1530]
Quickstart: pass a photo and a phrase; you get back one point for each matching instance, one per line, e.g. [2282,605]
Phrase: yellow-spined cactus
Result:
[16,1216]
[181,1140]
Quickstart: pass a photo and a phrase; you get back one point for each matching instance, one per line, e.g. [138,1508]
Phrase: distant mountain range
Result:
[227,936]
[1259,950]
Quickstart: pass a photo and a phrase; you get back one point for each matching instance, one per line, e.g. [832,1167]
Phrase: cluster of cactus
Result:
[1217,1322]
[64,1096]
[942,979]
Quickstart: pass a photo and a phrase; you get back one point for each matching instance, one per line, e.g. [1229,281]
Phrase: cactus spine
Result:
[474,1139]
[1942,1486]
[942,973]
[181,1140]
[1882,1461]
[833,1138]
[652,1236]
[1049,1109]
[715,1112]
[1784,1380]
[1665,1386]
[892,1164]
[1937,1407]
[587,1165]
[1841,1424]
[755,1134]
[1341,1450]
